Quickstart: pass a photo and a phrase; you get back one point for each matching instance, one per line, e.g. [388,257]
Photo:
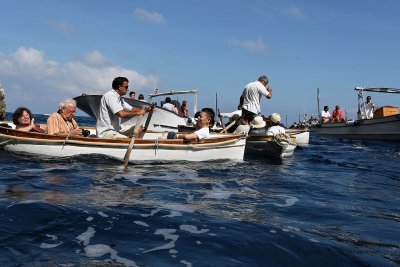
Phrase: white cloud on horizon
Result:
[27,76]
[256,46]
[146,16]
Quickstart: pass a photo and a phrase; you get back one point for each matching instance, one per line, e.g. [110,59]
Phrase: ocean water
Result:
[335,203]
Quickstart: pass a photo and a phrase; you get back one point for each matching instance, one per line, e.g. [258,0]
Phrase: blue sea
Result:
[335,203]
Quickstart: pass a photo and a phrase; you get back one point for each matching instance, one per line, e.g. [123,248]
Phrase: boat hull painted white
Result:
[386,128]
[233,152]
[302,136]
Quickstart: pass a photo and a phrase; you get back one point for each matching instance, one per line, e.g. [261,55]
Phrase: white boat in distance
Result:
[161,120]
[215,147]
[384,126]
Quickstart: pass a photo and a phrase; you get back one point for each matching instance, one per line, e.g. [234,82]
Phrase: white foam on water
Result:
[99,250]
[152,213]
[289,201]
[168,235]
[198,242]
[102,214]
[86,236]
[188,264]
[141,223]
[272,231]
[192,229]
[313,240]
[173,213]
[219,192]
[173,251]
[89,219]
[46,245]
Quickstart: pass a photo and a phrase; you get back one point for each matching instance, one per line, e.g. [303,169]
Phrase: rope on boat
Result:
[65,141]
[5,142]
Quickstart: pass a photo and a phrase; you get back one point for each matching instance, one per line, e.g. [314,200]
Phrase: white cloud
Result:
[294,12]
[256,46]
[144,15]
[62,28]
[28,77]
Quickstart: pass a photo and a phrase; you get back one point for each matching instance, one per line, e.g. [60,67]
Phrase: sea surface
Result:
[335,203]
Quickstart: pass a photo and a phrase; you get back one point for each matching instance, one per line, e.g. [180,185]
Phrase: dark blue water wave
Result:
[335,203]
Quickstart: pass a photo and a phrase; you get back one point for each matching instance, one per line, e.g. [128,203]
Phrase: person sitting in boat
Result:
[63,122]
[244,126]
[204,121]
[370,108]
[2,104]
[22,118]
[141,98]
[169,106]
[184,109]
[113,108]
[257,126]
[276,127]
[337,115]
[132,95]
[325,115]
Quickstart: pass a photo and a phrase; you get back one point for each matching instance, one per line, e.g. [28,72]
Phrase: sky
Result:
[56,49]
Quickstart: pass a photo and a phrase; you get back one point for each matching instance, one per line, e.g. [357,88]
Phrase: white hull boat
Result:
[218,146]
[161,120]
[302,135]
[384,126]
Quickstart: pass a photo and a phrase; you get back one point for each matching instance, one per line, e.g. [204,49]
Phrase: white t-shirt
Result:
[202,133]
[110,104]
[231,114]
[274,130]
[169,106]
[252,94]
[325,114]
[369,108]
[242,128]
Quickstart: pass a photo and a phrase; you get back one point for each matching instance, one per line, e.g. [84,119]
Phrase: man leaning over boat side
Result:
[62,122]
[113,108]
[252,94]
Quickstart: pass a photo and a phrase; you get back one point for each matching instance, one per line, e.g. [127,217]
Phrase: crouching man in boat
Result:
[62,122]
[113,108]
[205,119]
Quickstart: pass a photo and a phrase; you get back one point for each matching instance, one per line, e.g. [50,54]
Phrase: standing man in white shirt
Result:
[370,108]
[252,94]
[113,108]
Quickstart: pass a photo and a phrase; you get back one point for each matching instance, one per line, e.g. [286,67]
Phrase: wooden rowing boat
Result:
[217,146]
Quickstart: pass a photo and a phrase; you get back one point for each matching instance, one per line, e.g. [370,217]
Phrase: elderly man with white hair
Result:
[62,122]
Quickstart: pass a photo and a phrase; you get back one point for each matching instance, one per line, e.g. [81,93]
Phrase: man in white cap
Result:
[252,94]
[275,128]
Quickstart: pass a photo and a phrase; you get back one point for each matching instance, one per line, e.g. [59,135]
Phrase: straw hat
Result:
[258,122]
[275,118]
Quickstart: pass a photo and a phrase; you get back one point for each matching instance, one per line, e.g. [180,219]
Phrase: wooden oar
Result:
[221,120]
[129,150]
[229,125]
